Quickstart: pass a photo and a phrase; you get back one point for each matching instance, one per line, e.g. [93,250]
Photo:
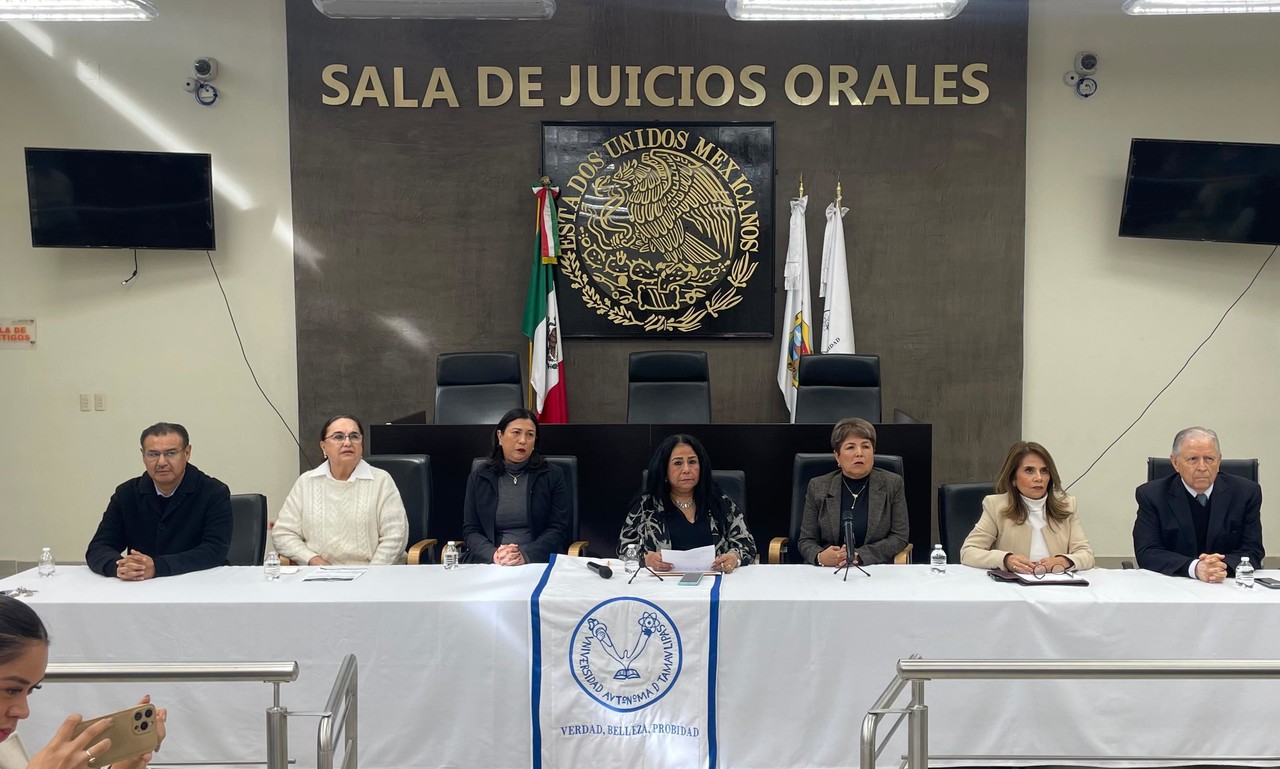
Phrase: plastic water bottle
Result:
[450,559]
[271,566]
[1244,573]
[631,559]
[47,567]
[938,560]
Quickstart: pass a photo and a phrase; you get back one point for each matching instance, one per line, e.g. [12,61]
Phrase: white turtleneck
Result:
[1037,522]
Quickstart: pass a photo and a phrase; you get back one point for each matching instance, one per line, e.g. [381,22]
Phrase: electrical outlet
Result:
[85,404]
[99,402]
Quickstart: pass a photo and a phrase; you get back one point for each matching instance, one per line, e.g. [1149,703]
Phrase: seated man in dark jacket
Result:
[1198,522]
[171,520]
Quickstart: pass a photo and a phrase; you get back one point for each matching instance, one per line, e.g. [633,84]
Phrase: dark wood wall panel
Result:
[413,225]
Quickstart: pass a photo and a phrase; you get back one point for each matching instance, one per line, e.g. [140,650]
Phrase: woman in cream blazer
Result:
[1029,521]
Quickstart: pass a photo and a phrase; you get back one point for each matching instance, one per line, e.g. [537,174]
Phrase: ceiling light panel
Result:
[1184,7]
[76,10]
[437,9]
[843,10]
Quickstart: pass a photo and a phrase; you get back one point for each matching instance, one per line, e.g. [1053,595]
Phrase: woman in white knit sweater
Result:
[345,511]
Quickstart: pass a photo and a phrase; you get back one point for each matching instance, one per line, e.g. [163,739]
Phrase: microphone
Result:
[846,526]
[850,546]
[599,568]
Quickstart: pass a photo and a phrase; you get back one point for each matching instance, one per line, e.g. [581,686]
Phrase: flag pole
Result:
[533,393]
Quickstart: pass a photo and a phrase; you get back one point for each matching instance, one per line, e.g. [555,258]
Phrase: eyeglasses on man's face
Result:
[168,454]
[341,438]
[1039,570]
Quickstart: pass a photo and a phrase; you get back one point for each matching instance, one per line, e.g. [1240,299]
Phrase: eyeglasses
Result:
[340,438]
[1039,570]
[169,454]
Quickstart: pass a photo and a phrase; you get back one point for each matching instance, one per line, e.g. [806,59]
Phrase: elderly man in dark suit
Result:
[1198,523]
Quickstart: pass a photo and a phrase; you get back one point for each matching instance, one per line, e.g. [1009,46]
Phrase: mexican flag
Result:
[542,316]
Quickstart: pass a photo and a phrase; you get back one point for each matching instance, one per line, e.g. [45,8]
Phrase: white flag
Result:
[797,320]
[837,309]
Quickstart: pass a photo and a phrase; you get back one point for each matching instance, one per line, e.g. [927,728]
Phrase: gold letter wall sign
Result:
[665,229]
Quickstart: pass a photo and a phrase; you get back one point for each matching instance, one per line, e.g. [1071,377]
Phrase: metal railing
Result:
[916,671]
[341,707]
[342,700]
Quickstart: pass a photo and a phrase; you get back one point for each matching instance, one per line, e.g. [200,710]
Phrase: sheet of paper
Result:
[334,574]
[698,559]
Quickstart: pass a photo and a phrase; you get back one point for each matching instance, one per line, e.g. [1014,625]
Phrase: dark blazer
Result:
[195,534]
[548,506]
[887,526]
[1164,537]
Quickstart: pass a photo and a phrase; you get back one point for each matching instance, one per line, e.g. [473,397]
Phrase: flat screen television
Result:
[114,199]
[1216,191]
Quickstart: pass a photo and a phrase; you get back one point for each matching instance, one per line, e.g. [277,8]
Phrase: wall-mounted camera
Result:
[1080,78]
[1086,63]
[205,68]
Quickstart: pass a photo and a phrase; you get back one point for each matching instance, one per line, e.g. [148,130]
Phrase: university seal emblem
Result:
[625,654]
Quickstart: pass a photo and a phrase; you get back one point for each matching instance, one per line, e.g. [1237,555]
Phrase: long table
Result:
[444,660]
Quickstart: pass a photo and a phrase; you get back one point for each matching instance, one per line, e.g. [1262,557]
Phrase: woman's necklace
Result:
[855,495]
[683,504]
[515,477]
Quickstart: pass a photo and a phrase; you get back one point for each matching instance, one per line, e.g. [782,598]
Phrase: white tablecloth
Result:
[444,669]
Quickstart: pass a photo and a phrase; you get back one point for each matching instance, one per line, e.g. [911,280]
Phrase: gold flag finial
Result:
[802,185]
[546,181]
[838,195]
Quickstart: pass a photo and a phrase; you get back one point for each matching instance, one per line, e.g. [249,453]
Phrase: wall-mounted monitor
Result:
[1189,190]
[113,199]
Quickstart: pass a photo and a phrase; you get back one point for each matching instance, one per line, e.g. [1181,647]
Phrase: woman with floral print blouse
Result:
[682,509]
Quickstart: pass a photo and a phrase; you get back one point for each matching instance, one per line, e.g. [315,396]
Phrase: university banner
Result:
[623,676]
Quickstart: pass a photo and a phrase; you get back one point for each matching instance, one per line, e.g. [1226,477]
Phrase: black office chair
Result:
[834,386]
[477,388]
[569,465]
[248,530]
[959,508]
[1159,467]
[731,482]
[412,476]
[805,468]
[901,417]
[668,387]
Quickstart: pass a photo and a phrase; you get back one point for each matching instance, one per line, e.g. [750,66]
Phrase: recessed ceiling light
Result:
[76,10]
[437,9]
[1180,7]
[843,10]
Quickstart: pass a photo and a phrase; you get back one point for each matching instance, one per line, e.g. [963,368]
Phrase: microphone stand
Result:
[645,567]
[849,564]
